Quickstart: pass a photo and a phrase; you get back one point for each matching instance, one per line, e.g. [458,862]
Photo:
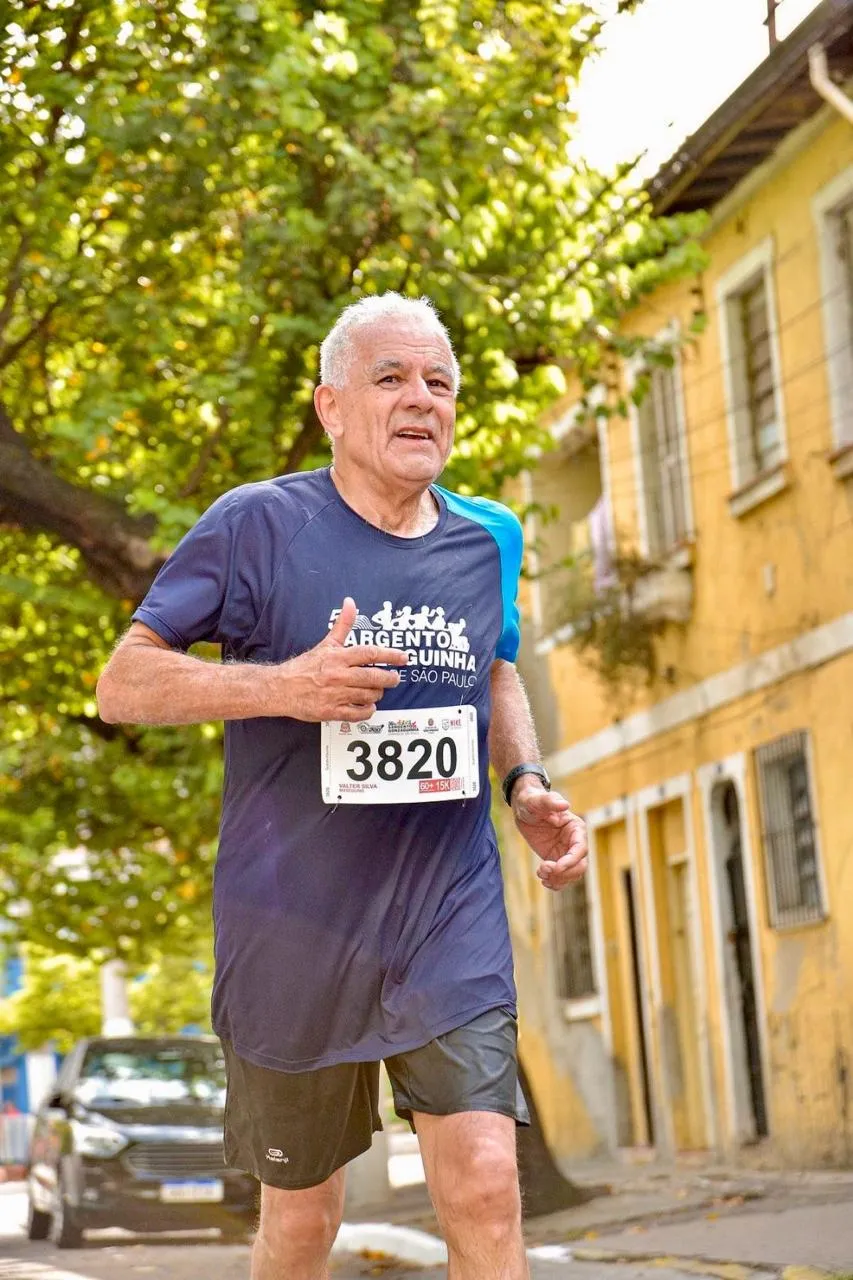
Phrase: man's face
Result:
[393,418]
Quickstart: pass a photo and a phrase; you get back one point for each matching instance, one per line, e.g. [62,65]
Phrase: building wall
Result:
[768,651]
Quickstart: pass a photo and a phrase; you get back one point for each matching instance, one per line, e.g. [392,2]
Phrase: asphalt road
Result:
[113,1254]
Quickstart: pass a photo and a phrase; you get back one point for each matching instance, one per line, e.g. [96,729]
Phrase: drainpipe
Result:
[819,74]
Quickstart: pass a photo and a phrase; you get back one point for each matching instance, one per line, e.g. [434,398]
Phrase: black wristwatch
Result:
[514,774]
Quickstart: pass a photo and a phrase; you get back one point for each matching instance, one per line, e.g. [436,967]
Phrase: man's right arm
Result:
[148,682]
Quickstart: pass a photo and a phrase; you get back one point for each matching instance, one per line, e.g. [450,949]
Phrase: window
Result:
[833,211]
[573,943]
[663,479]
[844,247]
[789,834]
[564,490]
[751,368]
[761,439]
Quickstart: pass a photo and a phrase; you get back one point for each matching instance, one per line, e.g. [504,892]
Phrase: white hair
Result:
[338,347]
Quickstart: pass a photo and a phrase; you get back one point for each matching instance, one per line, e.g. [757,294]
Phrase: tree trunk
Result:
[543,1187]
[115,1009]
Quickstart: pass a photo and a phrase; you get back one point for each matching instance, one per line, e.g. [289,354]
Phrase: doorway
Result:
[679,1028]
[739,978]
[642,1047]
[620,919]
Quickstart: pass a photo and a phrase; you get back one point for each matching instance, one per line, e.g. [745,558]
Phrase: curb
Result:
[406,1244]
[662,1216]
[384,1240]
[699,1267]
[807,1273]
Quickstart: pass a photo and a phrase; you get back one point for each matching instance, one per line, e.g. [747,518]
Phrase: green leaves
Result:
[60,1000]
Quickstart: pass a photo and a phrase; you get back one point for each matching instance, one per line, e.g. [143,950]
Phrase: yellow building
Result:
[697,991]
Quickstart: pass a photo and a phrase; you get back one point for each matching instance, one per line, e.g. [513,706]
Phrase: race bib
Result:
[401,757]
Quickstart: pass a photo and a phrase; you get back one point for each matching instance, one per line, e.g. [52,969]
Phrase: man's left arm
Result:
[543,817]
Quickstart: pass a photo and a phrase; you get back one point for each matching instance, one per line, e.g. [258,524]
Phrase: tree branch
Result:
[309,436]
[114,545]
[206,452]
[109,732]
[15,279]
[11,351]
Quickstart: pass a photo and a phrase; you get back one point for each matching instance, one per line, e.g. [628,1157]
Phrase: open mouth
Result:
[422,434]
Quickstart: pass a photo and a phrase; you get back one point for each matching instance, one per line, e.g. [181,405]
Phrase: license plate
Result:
[401,757]
[199,1190]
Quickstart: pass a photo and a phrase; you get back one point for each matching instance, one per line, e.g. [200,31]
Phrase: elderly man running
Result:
[359,906]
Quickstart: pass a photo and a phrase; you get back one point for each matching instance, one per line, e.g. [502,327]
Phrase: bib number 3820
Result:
[401,757]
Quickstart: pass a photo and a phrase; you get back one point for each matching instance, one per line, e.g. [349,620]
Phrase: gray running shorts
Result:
[294,1129]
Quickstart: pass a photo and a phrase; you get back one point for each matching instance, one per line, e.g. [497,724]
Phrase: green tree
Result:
[190,192]
[60,1000]
[58,1003]
[173,993]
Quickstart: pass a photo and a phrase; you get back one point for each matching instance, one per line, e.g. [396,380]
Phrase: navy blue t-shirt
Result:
[351,932]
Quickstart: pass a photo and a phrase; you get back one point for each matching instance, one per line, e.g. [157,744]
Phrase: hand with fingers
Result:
[334,681]
[553,832]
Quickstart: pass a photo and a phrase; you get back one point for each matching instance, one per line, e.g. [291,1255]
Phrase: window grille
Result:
[789,834]
[573,943]
[763,443]
[662,465]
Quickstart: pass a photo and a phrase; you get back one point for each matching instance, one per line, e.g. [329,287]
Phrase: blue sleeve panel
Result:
[506,530]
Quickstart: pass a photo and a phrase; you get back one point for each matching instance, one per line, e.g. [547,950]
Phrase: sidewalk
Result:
[626,1195]
[658,1222]
[780,1235]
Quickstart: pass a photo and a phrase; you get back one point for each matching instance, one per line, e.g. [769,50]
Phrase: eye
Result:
[440,384]
[389,377]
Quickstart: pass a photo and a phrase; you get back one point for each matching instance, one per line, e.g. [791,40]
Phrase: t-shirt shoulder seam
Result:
[285,550]
[246,498]
[489,504]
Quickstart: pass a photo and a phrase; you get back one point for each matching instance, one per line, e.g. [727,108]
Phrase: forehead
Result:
[402,339]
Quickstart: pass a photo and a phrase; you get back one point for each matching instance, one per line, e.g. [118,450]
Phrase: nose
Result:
[418,395]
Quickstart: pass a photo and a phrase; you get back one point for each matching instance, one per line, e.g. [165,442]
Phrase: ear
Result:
[328,410]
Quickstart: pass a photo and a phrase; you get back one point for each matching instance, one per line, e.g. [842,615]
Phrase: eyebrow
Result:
[392,365]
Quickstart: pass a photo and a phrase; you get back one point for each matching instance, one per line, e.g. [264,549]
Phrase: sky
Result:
[665,69]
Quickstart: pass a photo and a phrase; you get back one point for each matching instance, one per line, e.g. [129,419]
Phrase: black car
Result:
[131,1136]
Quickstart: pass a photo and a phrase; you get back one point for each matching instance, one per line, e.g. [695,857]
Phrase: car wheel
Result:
[65,1230]
[38,1223]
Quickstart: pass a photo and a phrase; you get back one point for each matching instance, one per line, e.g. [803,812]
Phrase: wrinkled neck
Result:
[407,514]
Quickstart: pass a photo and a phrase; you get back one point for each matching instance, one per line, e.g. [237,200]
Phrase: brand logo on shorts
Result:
[277,1156]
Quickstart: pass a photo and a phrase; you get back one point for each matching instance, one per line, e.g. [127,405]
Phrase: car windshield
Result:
[152,1076]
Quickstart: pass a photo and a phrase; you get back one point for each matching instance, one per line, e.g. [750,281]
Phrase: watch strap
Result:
[514,774]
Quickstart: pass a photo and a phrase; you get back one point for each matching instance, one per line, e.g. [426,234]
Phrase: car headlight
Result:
[97,1139]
